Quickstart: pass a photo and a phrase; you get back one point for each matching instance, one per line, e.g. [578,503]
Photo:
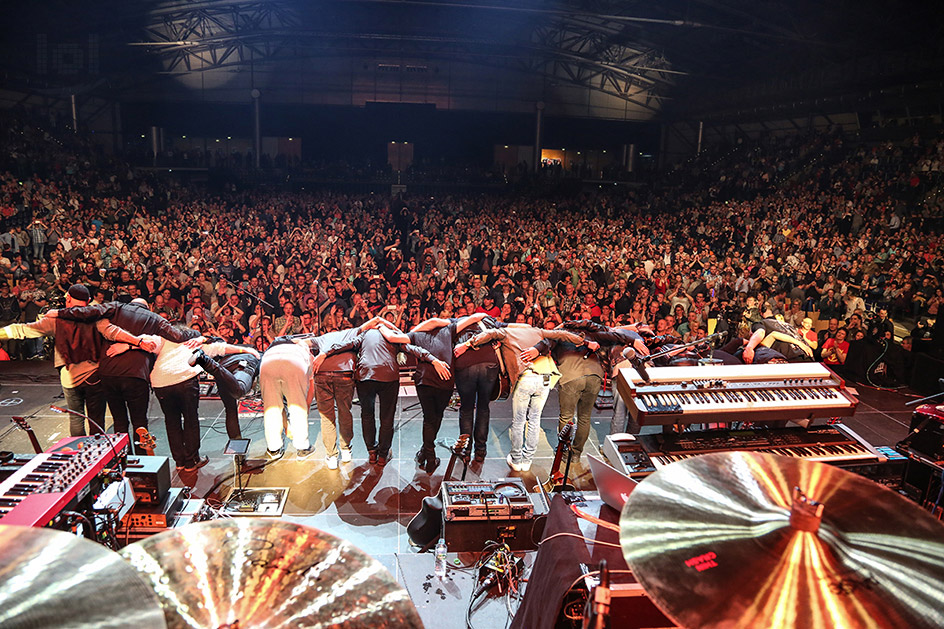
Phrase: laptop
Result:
[613,486]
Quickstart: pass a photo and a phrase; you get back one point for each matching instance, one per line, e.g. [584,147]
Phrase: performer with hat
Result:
[78,350]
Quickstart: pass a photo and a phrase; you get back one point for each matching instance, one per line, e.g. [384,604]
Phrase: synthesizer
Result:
[835,444]
[733,393]
[59,479]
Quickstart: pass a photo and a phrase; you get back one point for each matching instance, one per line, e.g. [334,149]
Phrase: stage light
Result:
[229,137]
[183,137]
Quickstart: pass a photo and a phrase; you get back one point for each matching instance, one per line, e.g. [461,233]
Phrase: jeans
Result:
[89,399]
[335,390]
[433,401]
[234,378]
[180,403]
[388,392]
[527,402]
[578,396]
[475,385]
[285,377]
[128,396]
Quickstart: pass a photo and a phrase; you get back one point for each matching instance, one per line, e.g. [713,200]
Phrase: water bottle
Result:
[441,558]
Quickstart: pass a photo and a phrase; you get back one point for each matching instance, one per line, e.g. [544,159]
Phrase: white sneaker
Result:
[331,462]
[346,455]
[518,467]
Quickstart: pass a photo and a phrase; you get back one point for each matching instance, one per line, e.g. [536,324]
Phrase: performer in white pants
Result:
[286,378]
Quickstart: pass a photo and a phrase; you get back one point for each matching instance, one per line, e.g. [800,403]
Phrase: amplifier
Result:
[156,516]
[150,478]
[471,534]
[505,499]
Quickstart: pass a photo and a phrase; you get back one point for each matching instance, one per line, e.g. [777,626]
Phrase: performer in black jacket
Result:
[125,377]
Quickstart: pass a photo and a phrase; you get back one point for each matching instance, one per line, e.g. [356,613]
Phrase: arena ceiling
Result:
[598,58]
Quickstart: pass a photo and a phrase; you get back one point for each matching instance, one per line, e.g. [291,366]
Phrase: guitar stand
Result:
[564,485]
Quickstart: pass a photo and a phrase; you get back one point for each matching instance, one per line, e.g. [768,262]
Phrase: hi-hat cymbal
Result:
[722,540]
[259,572]
[53,579]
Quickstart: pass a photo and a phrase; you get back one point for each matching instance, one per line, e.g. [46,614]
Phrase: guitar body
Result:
[146,441]
[557,481]
[426,526]
[502,388]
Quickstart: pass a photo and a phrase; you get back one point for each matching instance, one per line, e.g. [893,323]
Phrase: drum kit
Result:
[734,539]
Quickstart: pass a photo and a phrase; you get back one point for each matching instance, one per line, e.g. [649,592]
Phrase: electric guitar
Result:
[146,441]
[558,481]
[426,526]
[502,388]
[22,424]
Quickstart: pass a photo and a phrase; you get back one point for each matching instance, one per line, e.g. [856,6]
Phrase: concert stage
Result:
[366,505]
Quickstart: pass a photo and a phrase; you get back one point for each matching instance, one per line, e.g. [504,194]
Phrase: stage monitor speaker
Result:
[470,536]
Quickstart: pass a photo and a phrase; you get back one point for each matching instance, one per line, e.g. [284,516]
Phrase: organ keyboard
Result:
[58,479]
[836,444]
[729,393]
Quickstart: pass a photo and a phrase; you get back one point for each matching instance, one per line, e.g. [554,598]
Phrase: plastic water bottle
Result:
[441,558]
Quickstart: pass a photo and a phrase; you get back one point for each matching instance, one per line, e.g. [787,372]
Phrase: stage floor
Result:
[366,505]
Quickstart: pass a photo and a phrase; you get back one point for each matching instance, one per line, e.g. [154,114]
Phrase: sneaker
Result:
[195,466]
[275,454]
[515,466]
[346,455]
[382,460]
[197,358]
[304,453]
[479,457]
[432,462]
[331,462]
[372,457]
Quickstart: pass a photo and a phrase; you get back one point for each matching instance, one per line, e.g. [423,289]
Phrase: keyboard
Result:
[59,479]
[835,444]
[731,393]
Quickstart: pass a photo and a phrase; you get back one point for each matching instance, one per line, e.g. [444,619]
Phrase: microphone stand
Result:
[597,611]
[668,351]
[240,289]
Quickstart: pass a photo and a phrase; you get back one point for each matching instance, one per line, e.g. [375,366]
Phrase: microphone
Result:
[59,409]
[638,363]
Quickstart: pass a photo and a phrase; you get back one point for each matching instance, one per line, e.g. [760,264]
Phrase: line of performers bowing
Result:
[476,355]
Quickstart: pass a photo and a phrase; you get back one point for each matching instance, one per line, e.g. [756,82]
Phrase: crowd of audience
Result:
[809,226]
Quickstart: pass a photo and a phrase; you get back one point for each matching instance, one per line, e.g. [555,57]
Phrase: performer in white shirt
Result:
[176,385]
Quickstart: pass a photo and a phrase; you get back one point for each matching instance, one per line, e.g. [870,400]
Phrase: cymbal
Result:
[725,540]
[261,572]
[49,578]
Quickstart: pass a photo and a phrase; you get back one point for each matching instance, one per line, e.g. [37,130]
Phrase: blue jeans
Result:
[527,402]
